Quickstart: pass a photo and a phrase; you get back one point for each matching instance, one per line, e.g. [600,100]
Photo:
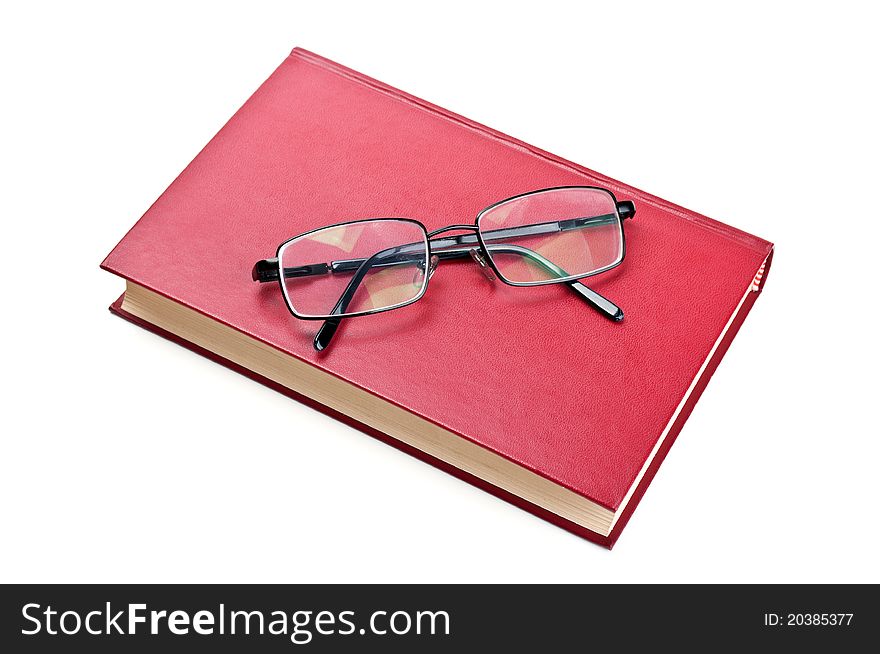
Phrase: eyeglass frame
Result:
[268,270]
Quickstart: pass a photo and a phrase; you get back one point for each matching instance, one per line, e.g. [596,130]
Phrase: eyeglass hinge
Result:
[626,209]
[265,270]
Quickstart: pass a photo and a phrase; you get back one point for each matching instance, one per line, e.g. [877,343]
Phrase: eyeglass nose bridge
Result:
[476,253]
[452,228]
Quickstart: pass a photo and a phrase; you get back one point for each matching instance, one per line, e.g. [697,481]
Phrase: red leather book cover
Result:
[531,374]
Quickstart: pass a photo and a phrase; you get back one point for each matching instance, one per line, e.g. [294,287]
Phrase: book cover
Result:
[530,376]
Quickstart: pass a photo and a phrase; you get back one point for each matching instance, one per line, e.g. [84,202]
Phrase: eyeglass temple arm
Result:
[329,326]
[594,299]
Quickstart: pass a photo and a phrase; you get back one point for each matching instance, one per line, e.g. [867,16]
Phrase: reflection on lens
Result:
[545,236]
[356,268]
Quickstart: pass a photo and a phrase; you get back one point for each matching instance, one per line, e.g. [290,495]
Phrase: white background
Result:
[127,458]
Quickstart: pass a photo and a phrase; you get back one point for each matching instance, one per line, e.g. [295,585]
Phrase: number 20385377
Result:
[808,619]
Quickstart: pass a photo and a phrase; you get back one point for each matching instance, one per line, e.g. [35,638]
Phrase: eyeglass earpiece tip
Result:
[325,334]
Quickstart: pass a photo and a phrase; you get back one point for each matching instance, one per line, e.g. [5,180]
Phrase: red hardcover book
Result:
[525,392]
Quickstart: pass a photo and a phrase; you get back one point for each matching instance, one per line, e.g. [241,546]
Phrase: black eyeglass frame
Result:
[267,270]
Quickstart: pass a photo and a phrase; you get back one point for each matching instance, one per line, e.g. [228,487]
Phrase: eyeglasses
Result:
[550,236]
